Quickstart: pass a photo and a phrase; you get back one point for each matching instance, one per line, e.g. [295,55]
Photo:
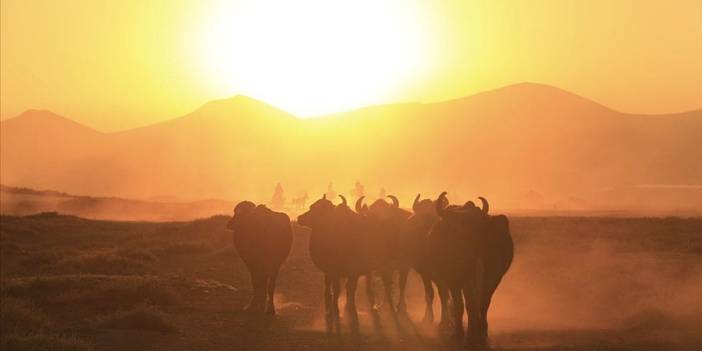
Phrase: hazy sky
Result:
[119,64]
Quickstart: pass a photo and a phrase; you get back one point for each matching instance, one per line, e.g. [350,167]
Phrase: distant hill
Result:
[25,201]
[506,144]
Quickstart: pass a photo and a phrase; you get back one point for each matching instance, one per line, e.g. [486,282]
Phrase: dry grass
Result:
[80,303]
[19,316]
[99,263]
[182,248]
[569,274]
[139,317]
[138,254]
[83,295]
[42,342]
[39,260]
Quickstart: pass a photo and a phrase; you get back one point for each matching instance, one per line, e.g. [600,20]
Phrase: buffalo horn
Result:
[359,206]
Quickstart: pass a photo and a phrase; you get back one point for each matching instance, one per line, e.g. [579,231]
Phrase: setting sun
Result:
[280,175]
[313,57]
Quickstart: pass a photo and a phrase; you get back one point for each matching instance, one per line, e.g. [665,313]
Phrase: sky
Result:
[115,65]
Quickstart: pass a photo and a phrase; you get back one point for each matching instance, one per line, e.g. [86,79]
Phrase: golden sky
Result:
[119,64]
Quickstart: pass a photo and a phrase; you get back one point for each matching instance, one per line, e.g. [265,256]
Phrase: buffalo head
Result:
[424,207]
[319,211]
[443,208]
[360,207]
[243,215]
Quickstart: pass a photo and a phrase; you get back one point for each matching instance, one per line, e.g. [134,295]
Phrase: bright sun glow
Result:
[313,57]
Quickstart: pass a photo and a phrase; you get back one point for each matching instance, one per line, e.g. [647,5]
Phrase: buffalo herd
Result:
[461,249]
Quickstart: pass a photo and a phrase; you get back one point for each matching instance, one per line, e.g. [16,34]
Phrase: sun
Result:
[315,57]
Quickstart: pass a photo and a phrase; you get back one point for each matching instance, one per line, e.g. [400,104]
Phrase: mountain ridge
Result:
[236,102]
[33,116]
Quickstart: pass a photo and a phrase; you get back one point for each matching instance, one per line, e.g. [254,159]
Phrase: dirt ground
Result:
[575,284]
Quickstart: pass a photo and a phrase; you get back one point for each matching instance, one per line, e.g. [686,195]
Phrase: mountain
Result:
[37,144]
[504,144]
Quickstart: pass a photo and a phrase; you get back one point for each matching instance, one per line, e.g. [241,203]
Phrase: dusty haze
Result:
[525,146]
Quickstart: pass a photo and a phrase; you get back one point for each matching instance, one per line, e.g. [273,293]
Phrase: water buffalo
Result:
[263,239]
[403,239]
[386,224]
[473,250]
[420,259]
[338,248]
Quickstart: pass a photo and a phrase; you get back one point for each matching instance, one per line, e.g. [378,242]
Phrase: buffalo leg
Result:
[457,299]
[475,318]
[351,285]
[259,293]
[429,300]
[336,290]
[445,322]
[252,302]
[387,285]
[370,294]
[270,308]
[402,303]
[491,283]
[351,312]
[328,303]
[484,287]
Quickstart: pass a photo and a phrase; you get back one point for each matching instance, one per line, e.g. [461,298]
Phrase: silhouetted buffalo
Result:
[403,239]
[338,248]
[417,256]
[263,239]
[472,251]
[386,224]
